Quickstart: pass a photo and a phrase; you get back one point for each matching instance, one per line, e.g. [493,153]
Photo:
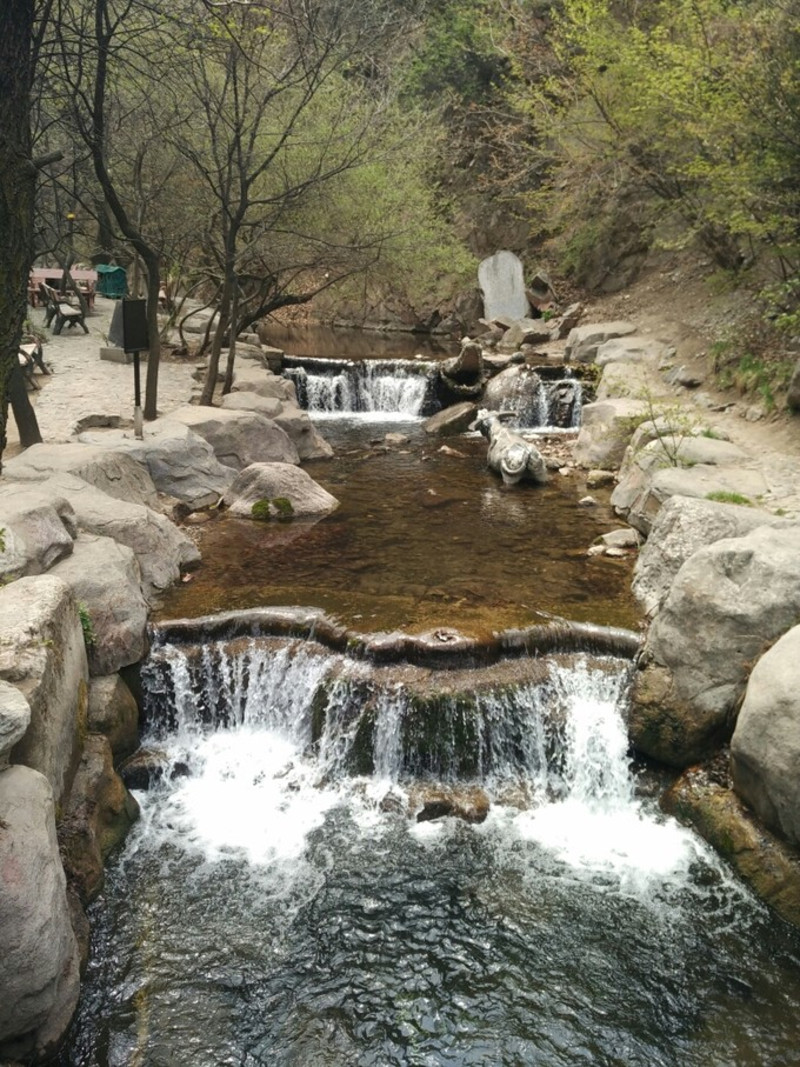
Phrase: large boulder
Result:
[726,603]
[302,432]
[42,653]
[113,712]
[39,975]
[624,380]
[519,389]
[162,550]
[453,420]
[105,579]
[765,748]
[682,527]
[584,341]
[36,530]
[689,465]
[239,438]
[252,379]
[606,430]
[181,463]
[268,406]
[281,490]
[467,366]
[15,718]
[526,332]
[98,815]
[629,349]
[111,471]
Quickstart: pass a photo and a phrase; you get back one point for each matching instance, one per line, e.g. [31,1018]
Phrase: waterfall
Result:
[385,387]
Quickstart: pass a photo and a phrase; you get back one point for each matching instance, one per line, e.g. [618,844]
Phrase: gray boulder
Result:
[39,981]
[161,549]
[279,482]
[467,366]
[252,379]
[302,432]
[623,380]
[606,431]
[765,748]
[181,463]
[584,341]
[519,389]
[105,578]
[112,472]
[453,420]
[37,530]
[526,332]
[15,718]
[679,466]
[238,438]
[295,422]
[42,653]
[629,349]
[268,406]
[727,602]
[113,712]
[682,527]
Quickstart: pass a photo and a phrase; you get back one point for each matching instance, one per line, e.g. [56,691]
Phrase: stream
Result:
[285,899]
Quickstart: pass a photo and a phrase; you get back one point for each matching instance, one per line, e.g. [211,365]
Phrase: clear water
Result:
[272,909]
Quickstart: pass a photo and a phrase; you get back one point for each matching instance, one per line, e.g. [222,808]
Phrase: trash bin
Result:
[112,281]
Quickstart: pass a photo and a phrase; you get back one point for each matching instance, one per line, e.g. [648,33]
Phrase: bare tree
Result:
[19,43]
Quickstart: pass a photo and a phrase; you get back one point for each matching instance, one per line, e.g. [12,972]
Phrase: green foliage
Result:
[723,496]
[456,57]
[2,539]
[692,103]
[89,636]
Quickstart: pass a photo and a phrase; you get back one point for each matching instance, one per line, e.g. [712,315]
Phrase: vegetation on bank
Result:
[263,155]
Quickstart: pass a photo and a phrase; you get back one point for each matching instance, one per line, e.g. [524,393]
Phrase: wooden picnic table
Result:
[85,280]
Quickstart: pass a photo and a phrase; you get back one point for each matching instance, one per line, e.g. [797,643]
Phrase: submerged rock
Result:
[469,803]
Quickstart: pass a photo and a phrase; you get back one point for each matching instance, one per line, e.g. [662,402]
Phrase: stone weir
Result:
[440,649]
[439,704]
[379,386]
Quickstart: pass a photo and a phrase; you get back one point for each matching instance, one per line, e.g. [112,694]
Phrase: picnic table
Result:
[84,279]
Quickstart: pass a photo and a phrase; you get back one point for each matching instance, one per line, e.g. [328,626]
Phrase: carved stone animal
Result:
[514,458]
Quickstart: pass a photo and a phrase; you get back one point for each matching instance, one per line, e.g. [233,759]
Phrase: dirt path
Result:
[670,303]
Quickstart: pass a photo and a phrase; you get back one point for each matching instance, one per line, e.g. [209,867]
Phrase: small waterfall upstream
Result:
[385,387]
[280,905]
[406,388]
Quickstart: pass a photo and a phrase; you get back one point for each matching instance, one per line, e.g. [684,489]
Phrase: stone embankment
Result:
[87,544]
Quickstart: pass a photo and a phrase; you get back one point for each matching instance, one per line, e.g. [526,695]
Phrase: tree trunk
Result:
[210,383]
[17,181]
[24,415]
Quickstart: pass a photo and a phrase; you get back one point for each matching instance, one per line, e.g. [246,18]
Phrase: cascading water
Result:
[378,387]
[274,907]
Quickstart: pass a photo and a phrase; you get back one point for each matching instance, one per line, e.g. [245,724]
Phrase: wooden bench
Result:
[30,357]
[59,312]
